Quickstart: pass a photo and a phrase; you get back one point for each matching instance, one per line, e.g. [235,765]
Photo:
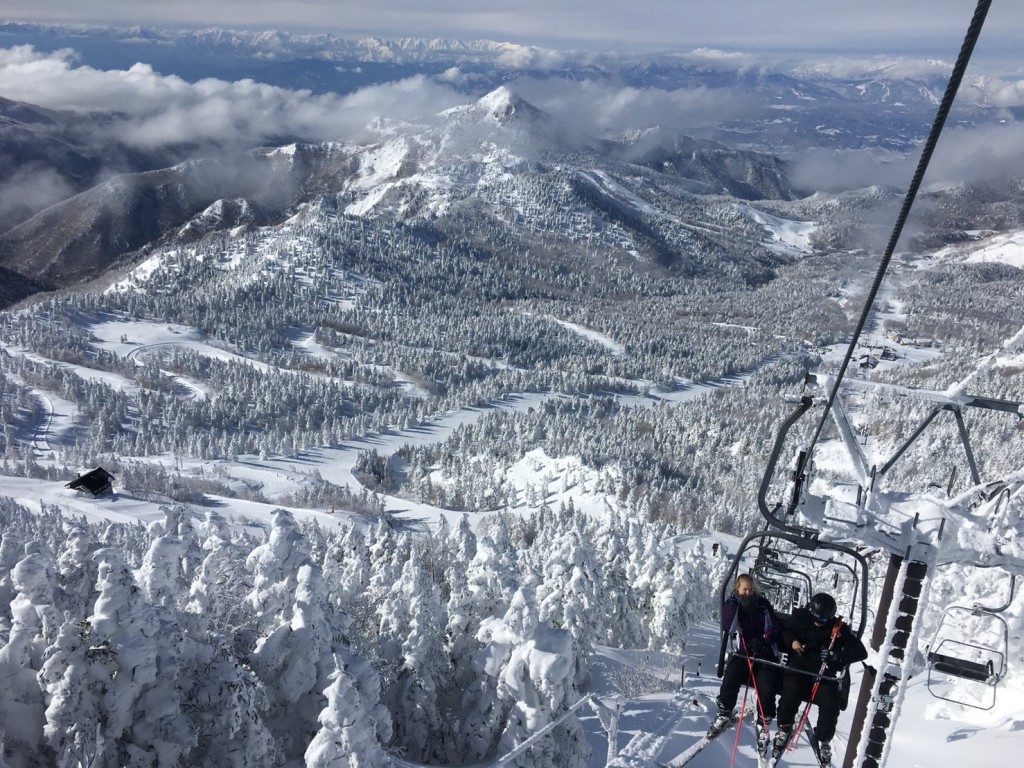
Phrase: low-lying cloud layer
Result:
[986,155]
[151,112]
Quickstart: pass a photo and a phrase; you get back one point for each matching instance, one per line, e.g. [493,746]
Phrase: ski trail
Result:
[1012,345]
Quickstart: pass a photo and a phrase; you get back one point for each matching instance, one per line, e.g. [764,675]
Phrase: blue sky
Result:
[913,27]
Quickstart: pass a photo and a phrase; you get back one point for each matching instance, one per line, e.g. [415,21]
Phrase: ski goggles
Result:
[820,618]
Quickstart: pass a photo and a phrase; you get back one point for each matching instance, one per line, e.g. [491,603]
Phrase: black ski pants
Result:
[737,674]
[796,688]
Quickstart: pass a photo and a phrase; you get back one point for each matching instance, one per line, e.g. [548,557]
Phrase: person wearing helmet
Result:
[808,647]
[750,618]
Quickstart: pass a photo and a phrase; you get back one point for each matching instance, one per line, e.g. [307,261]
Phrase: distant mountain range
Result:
[495,164]
[413,172]
[876,106]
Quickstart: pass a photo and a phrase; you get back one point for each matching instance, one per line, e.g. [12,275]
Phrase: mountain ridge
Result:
[413,172]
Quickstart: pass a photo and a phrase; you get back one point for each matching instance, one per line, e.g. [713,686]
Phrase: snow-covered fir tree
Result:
[353,724]
[141,712]
[34,626]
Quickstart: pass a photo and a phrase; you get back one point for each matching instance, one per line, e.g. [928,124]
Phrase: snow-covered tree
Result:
[670,589]
[623,627]
[462,543]
[77,570]
[223,699]
[177,522]
[161,575]
[346,578]
[34,618]
[33,621]
[294,663]
[526,674]
[570,597]
[388,553]
[143,721]
[217,596]
[415,633]
[645,568]
[12,549]
[353,722]
[74,677]
[276,565]
[492,578]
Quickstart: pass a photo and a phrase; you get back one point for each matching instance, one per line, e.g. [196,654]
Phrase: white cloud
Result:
[606,109]
[998,93]
[830,171]
[151,110]
[986,155]
[977,155]
[29,190]
[530,57]
[868,67]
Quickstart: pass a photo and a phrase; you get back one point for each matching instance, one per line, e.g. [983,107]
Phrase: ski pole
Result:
[753,681]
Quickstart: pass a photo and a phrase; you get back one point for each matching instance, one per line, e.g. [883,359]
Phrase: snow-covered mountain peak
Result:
[504,105]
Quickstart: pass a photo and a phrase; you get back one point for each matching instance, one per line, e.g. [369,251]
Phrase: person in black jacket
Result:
[751,619]
[808,645]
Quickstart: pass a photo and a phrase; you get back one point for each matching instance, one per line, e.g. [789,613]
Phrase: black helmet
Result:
[822,607]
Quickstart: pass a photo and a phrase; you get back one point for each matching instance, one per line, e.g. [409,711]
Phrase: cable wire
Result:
[971,38]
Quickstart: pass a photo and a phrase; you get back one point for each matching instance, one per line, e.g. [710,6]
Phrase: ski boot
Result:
[764,737]
[825,753]
[722,719]
[779,744]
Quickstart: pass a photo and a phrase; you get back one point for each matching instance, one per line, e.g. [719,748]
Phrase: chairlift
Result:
[973,662]
[790,568]
[784,592]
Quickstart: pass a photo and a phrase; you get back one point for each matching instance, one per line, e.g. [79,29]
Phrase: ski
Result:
[812,739]
[776,756]
[764,756]
[684,757]
[762,749]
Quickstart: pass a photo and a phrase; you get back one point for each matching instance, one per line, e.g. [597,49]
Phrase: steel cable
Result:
[956,76]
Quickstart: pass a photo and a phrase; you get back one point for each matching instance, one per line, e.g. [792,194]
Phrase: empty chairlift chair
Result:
[982,661]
